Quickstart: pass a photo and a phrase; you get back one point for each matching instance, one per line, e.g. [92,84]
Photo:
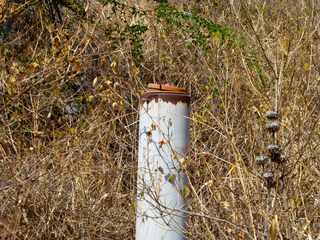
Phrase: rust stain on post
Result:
[166,93]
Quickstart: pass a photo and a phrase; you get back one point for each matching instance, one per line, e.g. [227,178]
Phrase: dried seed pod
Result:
[268,175]
[275,152]
[283,158]
[273,126]
[269,179]
[272,115]
[262,159]
[273,148]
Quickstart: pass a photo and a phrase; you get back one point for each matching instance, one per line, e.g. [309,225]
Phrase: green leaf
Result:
[171,178]
[186,191]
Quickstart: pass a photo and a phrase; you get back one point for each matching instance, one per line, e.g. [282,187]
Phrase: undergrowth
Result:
[69,95]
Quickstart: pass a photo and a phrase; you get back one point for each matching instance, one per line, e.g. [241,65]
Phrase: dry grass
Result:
[68,123]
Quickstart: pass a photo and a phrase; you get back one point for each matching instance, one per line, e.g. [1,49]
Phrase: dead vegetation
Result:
[68,119]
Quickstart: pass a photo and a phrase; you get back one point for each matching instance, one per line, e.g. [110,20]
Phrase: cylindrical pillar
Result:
[163,144]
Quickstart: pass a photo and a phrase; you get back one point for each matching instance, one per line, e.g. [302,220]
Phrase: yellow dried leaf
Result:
[225,205]
[232,168]
[109,83]
[32,66]
[306,66]
[12,79]
[90,98]
[114,105]
[94,82]
[274,228]
[113,64]
[135,71]
[182,160]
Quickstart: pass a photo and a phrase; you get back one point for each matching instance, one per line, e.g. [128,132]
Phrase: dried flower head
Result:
[273,126]
[262,159]
[275,152]
[272,115]
[269,179]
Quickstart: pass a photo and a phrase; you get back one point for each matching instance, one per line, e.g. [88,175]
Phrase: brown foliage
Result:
[69,95]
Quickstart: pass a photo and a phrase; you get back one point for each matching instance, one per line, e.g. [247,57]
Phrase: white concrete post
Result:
[163,144]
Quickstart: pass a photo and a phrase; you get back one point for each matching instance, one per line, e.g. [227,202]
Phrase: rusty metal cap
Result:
[165,92]
[166,88]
